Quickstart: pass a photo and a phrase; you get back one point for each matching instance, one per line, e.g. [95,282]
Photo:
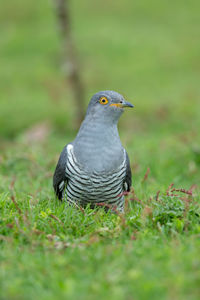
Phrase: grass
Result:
[149,53]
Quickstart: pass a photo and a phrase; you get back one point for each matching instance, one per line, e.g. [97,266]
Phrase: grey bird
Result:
[95,168]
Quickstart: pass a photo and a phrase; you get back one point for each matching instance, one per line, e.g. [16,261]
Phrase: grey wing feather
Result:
[128,177]
[60,177]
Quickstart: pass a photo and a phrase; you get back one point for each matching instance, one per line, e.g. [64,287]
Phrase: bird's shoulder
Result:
[128,174]
[60,176]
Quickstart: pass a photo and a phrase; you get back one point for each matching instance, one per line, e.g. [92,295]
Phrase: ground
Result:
[149,52]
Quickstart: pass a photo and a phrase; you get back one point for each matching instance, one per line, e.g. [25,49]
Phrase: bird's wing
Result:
[60,176]
[128,177]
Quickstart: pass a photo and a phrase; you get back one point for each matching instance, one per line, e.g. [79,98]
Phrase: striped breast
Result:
[83,188]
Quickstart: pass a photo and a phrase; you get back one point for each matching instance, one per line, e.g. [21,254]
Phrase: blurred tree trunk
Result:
[70,60]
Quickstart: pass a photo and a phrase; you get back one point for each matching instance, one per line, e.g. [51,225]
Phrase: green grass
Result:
[150,53]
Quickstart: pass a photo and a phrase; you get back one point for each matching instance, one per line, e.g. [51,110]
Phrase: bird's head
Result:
[107,106]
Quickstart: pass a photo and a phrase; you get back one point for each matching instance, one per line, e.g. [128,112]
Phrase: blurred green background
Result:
[149,51]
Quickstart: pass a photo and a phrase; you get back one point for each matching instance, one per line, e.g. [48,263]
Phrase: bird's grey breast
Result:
[101,163]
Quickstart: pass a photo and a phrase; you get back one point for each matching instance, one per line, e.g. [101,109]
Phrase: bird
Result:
[95,168]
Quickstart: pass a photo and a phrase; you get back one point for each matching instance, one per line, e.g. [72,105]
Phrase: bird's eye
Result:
[103,100]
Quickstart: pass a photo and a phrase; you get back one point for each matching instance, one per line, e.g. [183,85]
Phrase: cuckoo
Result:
[95,168]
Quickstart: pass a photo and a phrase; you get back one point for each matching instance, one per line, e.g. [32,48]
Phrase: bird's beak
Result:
[122,105]
[127,104]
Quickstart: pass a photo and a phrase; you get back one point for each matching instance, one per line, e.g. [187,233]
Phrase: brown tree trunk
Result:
[70,60]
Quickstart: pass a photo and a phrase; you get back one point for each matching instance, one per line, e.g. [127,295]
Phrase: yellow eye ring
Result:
[103,100]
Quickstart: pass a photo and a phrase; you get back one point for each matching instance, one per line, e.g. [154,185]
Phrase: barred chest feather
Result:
[83,187]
